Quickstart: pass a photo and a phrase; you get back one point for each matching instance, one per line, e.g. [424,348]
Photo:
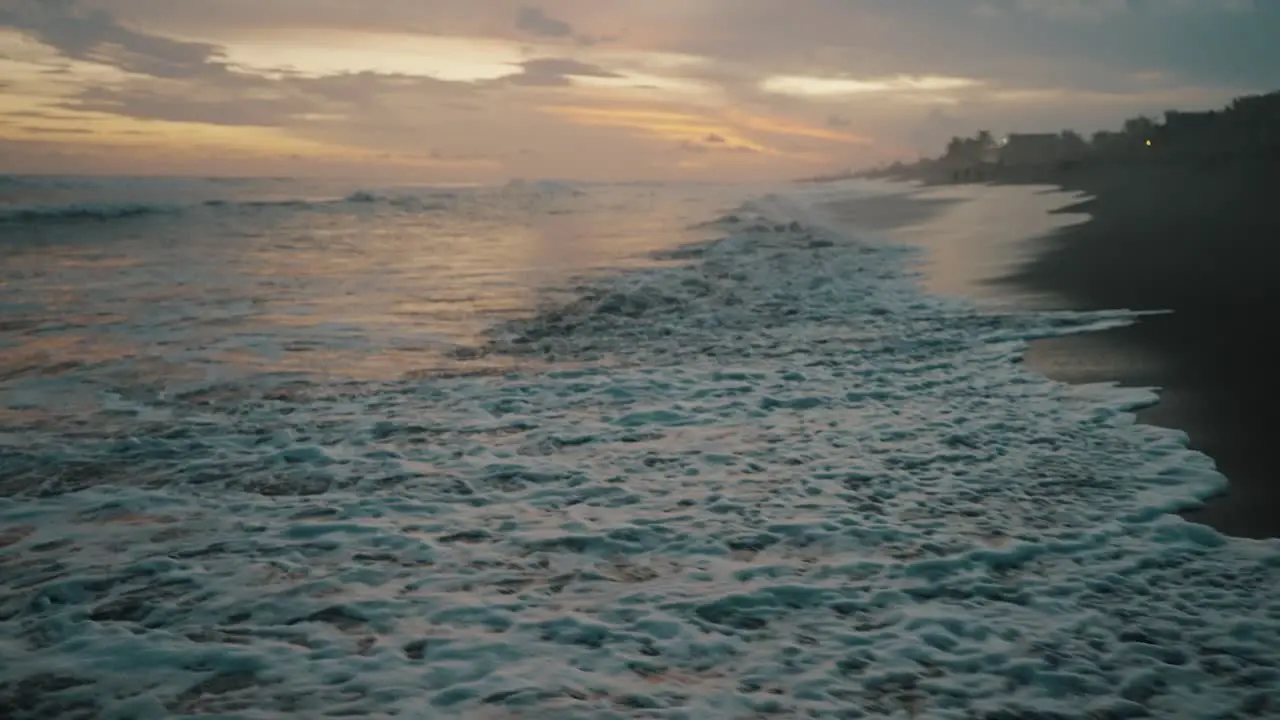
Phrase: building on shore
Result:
[1193,134]
[1255,119]
[1249,126]
[1024,149]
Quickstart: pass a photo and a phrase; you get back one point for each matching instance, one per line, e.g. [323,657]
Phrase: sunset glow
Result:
[461,91]
[332,53]
[800,85]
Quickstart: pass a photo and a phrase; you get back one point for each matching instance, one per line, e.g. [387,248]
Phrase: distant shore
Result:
[1202,240]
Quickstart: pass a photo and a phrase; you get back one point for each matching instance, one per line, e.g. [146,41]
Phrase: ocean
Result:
[280,448]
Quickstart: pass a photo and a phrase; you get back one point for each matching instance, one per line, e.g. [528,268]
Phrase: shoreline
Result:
[1199,241]
[778,477]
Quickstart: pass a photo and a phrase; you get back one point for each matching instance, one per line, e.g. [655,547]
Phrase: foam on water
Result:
[775,480]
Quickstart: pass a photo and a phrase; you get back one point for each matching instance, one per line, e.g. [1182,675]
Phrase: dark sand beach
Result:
[1199,240]
[1202,241]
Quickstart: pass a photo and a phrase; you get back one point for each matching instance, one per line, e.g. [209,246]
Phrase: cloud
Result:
[240,99]
[535,21]
[1087,10]
[715,142]
[95,35]
[804,83]
[555,72]
[1195,41]
[706,146]
[1094,11]
[738,131]
[41,130]
[39,115]
[831,86]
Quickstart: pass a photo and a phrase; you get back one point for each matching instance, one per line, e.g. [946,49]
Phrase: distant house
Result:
[1190,123]
[1250,125]
[1255,120]
[1021,149]
[1193,133]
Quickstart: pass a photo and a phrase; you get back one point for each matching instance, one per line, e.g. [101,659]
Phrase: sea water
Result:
[574,451]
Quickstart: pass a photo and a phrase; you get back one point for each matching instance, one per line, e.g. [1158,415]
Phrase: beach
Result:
[1202,242]
[714,360]
[1191,244]
[414,452]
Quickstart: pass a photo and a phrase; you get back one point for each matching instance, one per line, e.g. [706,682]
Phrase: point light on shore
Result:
[1148,143]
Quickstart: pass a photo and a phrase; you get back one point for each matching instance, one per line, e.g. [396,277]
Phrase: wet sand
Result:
[981,234]
[1203,242]
[1200,241]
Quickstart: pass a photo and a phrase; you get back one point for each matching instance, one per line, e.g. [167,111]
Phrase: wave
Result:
[104,211]
[426,202]
[72,212]
[363,196]
[359,197]
[780,481]
[254,204]
[549,188]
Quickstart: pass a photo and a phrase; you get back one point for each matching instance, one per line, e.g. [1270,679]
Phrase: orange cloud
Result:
[781,126]
[667,125]
[738,130]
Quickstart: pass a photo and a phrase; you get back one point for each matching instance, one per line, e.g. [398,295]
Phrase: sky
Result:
[488,90]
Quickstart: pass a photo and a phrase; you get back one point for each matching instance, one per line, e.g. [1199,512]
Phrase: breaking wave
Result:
[82,212]
[101,212]
[775,479]
[109,199]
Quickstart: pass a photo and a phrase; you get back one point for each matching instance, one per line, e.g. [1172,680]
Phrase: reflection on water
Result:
[375,288]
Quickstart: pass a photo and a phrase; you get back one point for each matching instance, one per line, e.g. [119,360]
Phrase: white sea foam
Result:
[777,480]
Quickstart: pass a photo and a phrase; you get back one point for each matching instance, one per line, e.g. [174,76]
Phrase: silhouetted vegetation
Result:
[971,149]
[1246,129]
